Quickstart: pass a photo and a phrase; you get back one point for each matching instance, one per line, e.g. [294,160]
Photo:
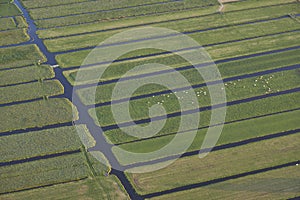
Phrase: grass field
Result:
[9,9]
[13,37]
[35,114]
[276,184]
[30,91]
[219,164]
[26,74]
[91,188]
[235,90]
[229,69]
[231,133]
[41,143]
[20,56]
[204,38]
[43,172]
[234,112]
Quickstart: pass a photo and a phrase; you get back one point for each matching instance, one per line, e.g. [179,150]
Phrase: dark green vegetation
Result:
[20,56]
[13,37]
[9,9]
[36,114]
[25,74]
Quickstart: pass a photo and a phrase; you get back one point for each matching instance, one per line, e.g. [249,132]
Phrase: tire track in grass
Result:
[216,148]
[187,112]
[202,184]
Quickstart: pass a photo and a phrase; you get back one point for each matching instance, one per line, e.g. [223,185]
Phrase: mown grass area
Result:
[235,112]
[91,188]
[204,38]
[13,37]
[218,164]
[229,69]
[20,56]
[36,114]
[275,184]
[221,51]
[235,90]
[9,9]
[200,19]
[30,91]
[25,74]
[6,24]
[43,172]
[42,143]
[231,133]
[114,14]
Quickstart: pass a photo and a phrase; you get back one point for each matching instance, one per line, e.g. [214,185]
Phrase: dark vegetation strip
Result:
[197,185]
[60,4]
[157,118]
[15,162]
[216,148]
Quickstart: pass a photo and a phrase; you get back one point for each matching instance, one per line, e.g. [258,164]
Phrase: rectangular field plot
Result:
[275,184]
[235,90]
[7,23]
[45,3]
[20,56]
[233,132]
[234,112]
[9,9]
[25,74]
[42,143]
[36,114]
[30,91]
[218,164]
[92,188]
[13,37]
[43,172]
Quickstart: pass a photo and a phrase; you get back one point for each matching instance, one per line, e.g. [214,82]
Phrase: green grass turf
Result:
[43,3]
[235,90]
[216,52]
[231,133]
[42,143]
[30,91]
[15,36]
[9,9]
[275,184]
[21,22]
[92,188]
[36,114]
[26,74]
[234,112]
[20,56]
[235,68]
[218,164]
[204,38]
[43,172]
